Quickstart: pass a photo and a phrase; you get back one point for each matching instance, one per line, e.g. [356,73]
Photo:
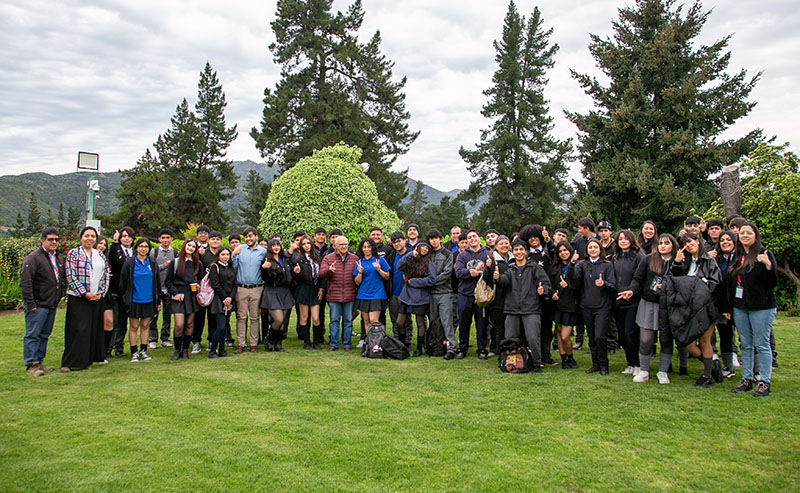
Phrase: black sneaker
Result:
[716,372]
[762,389]
[449,355]
[549,361]
[222,353]
[744,385]
[460,355]
[593,369]
[774,365]
[728,373]
[307,346]
[482,355]
[212,355]
[176,355]
[683,371]
[536,369]
[604,371]
[704,382]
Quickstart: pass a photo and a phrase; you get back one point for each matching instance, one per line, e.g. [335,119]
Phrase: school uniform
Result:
[596,305]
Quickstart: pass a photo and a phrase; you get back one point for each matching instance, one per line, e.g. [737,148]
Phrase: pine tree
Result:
[333,89]
[256,192]
[652,142]
[34,227]
[73,219]
[517,161]
[62,218]
[143,198]
[19,227]
[444,215]
[416,203]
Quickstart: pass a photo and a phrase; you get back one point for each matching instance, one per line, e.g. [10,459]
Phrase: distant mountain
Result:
[70,188]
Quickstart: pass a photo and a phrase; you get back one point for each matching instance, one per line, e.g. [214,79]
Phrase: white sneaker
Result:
[642,376]
[628,371]
[166,344]
[736,361]
[360,344]
[143,356]
[135,358]
[663,378]
[153,345]
[195,347]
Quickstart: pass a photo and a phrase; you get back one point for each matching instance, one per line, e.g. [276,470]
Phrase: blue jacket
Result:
[416,291]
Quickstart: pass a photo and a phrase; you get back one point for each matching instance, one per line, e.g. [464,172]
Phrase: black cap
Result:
[412,225]
[604,225]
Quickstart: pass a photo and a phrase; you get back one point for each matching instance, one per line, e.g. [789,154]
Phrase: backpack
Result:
[205,294]
[484,295]
[372,345]
[435,341]
[394,348]
[513,358]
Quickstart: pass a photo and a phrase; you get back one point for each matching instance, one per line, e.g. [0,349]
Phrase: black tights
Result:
[401,320]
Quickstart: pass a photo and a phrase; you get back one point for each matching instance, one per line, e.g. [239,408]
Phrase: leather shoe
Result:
[239,350]
[347,349]
[331,349]
[604,371]
[593,369]
[253,349]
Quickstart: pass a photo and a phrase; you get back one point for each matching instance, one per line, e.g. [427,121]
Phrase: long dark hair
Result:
[418,266]
[557,262]
[656,262]
[718,248]
[195,258]
[634,248]
[750,259]
[314,253]
[371,243]
[653,241]
[271,254]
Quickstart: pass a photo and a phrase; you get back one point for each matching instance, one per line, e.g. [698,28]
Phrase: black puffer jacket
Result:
[689,307]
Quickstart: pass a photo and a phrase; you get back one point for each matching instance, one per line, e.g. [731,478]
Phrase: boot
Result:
[564,362]
[268,346]
[176,355]
[420,345]
[185,354]
[319,336]
[278,347]
[572,363]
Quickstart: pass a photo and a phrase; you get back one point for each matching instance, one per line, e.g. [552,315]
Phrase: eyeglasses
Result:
[51,240]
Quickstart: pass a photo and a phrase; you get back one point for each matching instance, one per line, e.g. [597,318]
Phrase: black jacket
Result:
[277,275]
[567,297]
[587,272]
[173,282]
[37,282]
[126,283]
[499,302]
[643,283]
[707,269]
[521,285]
[306,275]
[625,267]
[758,285]
[223,281]
[690,308]
[116,257]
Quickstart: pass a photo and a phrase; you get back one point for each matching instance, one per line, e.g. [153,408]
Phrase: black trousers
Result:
[546,331]
[120,323]
[596,320]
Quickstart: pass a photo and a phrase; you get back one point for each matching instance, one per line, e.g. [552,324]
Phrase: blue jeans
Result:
[343,311]
[754,327]
[467,310]
[38,326]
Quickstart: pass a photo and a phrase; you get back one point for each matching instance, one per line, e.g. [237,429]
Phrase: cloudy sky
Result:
[106,76]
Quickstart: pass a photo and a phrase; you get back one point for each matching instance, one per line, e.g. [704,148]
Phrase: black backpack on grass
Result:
[513,358]
[372,344]
[435,342]
[394,348]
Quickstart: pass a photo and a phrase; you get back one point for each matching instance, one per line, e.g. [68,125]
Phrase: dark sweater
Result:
[625,266]
[37,280]
[223,280]
[466,283]
[567,297]
[644,277]
[758,285]
[593,297]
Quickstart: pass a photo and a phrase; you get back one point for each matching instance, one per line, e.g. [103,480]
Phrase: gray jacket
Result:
[442,261]
[157,256]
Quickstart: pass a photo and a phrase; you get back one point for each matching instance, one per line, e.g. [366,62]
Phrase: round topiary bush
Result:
[328,189]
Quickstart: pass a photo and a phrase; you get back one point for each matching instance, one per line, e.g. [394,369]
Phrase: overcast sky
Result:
[106,76]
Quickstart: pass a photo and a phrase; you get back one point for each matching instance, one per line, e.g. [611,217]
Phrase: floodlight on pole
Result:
[90,161]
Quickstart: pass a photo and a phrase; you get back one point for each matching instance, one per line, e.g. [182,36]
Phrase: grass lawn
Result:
[318,421]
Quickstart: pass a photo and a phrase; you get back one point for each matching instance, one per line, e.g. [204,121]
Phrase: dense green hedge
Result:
[12,251]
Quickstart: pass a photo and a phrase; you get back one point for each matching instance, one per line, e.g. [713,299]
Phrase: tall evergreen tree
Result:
[333,89]
[34,225]
[143,198]
[416,203]
[517,160]
[256,192]
[61,223]
[19,227]
[652,142]
[73,219]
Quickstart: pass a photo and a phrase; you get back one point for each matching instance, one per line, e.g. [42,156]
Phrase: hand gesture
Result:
[764,259]
[540,289]
[177,297]
[332,268]
[625,295]
[296,269]
[555,296]
[496,275]
[360,267]
[599,281]
[237,250]
[166,262]
[267,264]
[713,253]
[727,316]
[201,251]
[115,236]
[545,234]
[415,253]
[489,261]
[563,282]
[680,255]
[474,273]
[377,265]
[576,257]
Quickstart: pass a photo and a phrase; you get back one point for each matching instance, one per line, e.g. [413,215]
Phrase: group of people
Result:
[622,289]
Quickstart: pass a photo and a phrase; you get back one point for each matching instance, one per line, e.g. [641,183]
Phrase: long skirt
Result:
[83,333]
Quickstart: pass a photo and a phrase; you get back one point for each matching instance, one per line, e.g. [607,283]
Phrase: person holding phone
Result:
[181,282]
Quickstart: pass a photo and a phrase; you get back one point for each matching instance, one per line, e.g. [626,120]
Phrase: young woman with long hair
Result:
[565,299]
[181,283]
[726,253]
[276,296]
[648,237]
[108,306]
[139,287]
[222,277]
[599,288]
[370,272]
[309,291]
[627,258]
[418,277]
[647,283]
[754,278]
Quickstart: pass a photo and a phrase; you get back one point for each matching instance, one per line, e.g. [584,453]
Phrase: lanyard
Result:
[739,276]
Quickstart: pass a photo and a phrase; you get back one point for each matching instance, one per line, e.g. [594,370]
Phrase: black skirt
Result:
[414,309]
[566,318]
[107,305]
[370,305]
[277,298]
[189,304]
[83,333]
[306,294]
[141,310]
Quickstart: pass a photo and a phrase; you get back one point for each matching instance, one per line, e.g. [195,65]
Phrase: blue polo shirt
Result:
[371,287]
[397,276]
[142,281]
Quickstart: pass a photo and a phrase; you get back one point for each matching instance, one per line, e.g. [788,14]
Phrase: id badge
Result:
[739,292]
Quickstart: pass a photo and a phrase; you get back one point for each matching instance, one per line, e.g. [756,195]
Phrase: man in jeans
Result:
[162,256]
[469,265]
[337,268]
[441,291]
[248,259]
[40,283]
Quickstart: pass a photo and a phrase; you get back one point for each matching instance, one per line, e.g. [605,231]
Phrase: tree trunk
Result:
[730,189]
[786,270]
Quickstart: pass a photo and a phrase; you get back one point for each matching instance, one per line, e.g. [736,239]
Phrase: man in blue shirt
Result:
[247,260]
[400,250]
